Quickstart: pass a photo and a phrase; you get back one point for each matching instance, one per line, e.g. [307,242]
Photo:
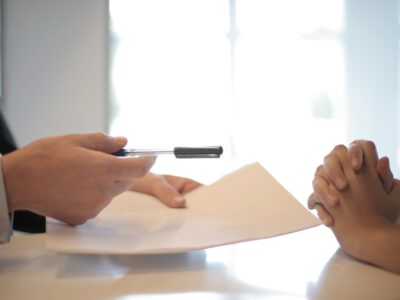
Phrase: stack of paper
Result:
[245,205]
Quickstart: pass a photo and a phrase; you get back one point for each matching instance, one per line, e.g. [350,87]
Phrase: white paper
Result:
[245,205]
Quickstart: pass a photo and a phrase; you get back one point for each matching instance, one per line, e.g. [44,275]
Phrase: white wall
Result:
[55,67]
[372,59]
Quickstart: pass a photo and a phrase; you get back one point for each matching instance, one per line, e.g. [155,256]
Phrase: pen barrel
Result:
[179,152]
[203,152]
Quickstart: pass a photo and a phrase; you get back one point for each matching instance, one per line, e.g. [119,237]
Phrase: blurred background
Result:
[279,81]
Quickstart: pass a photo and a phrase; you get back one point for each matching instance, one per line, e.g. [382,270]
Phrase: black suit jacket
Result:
[23,220]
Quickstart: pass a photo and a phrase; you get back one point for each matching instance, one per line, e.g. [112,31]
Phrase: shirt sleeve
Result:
[5,216]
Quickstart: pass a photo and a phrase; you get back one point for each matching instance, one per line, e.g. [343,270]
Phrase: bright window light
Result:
[264,79]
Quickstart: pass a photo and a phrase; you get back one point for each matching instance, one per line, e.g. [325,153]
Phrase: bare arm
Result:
[382,248]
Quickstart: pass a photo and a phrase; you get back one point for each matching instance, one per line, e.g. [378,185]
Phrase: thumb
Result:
[169,195]
[101,142]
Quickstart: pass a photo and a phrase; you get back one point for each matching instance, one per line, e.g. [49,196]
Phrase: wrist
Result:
[369,247]
[10,180]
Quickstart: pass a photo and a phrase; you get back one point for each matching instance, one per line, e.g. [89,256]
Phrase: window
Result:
[267,80]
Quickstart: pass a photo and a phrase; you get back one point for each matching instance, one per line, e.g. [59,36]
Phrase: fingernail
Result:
[355,164]
[120,138]
[341,183]
[179,200]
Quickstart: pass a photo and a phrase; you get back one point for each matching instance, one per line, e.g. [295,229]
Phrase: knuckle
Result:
[339,148]
[370,146]
[93,211]
[108,167]
[144,167]
[140,170]
[319,170]
[355,150]
[311,201]
[99,135]
[317,183]
[357,142]
[119,187]
[92,214]
[327,157]
[77,219]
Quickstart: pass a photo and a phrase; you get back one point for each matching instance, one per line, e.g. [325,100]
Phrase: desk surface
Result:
[302,265]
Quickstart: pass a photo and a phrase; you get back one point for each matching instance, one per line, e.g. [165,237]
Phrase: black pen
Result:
[179,152]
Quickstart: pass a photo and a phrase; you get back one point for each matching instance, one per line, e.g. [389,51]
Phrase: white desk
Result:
[302,265]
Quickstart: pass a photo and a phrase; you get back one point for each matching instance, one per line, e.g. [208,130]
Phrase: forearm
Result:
[382,248]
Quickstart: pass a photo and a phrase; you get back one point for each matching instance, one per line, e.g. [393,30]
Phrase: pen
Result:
[179,152]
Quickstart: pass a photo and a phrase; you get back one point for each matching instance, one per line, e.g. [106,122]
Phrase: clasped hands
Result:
[356,195]
[344,167]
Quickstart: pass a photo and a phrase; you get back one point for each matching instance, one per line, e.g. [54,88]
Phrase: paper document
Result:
[245,205]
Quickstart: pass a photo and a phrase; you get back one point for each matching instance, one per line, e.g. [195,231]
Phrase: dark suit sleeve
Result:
[25,221]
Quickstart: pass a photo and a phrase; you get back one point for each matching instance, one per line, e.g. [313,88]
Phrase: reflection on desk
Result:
[302,265]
